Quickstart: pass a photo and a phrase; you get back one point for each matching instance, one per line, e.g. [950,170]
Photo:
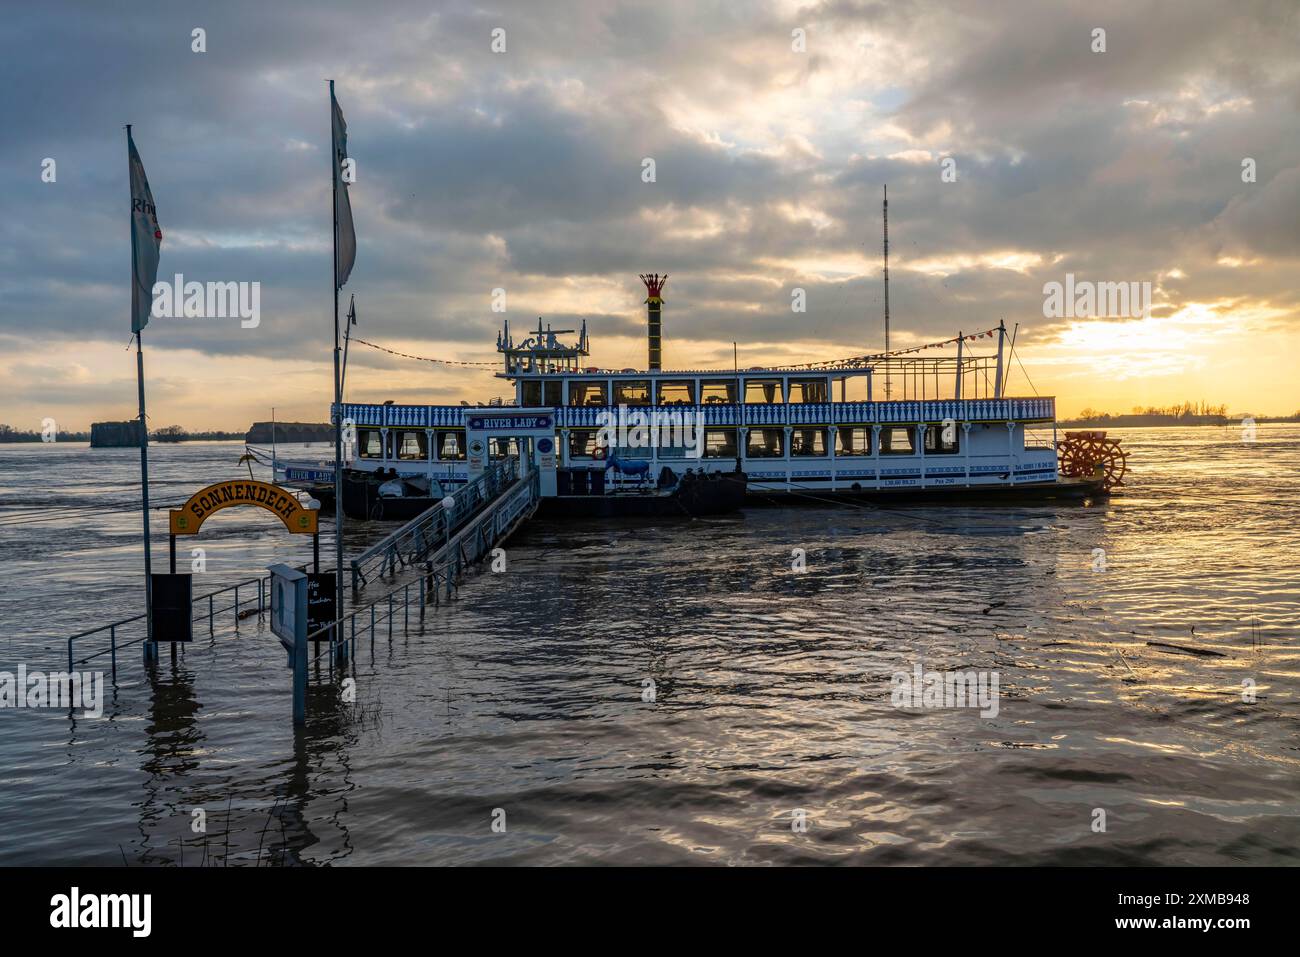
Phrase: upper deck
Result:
[1037,409]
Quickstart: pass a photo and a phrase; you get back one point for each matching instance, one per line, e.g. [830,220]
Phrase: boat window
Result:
[679,434]
[715,391]
[451,445]
[412,445]
[941,440]
[503,447]
[587,393]
[853,441]
[763,391]
[547,394]
[896,440]
[582,443]
[719,443]
[370,444]
[676,392]
[632,392]
[808,390]
[765,443]
[808,442]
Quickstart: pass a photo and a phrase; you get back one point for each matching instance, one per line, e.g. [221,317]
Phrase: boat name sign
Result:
[525,422]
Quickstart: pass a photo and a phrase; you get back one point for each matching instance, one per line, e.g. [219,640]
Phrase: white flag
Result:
[146,240]
[345,242]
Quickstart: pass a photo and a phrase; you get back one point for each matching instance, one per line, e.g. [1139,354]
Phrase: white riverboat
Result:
[902,425]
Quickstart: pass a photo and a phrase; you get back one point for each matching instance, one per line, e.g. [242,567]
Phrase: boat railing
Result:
[434,526]
[728,414]
[113,630]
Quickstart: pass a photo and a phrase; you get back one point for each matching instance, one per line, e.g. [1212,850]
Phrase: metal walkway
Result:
[440,565]
[417,541]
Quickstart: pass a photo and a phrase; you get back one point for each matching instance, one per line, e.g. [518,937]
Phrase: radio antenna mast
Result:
[886,224]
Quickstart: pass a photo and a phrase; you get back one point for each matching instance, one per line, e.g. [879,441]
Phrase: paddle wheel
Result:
[1092,455]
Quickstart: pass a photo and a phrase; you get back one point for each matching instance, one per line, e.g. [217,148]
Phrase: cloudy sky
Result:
[523,170]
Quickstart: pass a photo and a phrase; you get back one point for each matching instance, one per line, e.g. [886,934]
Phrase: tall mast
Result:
[338,394]
[146,196]
[886,224]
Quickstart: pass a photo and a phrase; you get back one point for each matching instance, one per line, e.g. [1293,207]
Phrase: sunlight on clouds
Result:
[1158,346]
[1021,261]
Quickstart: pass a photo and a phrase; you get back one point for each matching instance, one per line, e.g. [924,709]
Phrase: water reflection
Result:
[174,741]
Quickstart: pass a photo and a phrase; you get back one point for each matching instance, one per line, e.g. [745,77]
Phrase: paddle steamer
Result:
[904,425]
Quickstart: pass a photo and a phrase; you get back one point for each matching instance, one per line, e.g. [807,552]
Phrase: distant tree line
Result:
[1184,413]
[168,433]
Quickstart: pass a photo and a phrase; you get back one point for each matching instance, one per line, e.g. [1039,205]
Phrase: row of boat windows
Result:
[539,394]
[771,443]
[412,445]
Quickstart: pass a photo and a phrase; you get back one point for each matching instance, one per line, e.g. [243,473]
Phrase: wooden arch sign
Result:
[214,498]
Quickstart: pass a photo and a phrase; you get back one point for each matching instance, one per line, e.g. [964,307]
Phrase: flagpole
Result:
[150,646]
[338,394]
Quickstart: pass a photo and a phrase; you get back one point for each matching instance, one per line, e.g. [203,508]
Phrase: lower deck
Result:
[839,447]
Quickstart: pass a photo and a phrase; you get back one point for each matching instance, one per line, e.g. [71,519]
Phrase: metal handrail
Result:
[412,541]
[442,568]
[263,589]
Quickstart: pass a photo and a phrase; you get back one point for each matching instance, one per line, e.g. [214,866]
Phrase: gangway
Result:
[440,568]
[435,528]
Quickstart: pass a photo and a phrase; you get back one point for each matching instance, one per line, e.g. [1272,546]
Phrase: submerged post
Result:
[150,646]
[289,624]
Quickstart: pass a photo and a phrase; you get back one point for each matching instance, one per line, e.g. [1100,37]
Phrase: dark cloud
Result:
[523,170]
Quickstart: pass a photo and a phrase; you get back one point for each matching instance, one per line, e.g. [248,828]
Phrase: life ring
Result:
[598,454]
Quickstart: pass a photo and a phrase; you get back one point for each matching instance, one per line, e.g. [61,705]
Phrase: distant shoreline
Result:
[1169,422]
[125,434]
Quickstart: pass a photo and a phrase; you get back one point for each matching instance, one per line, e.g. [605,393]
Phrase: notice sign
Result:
[173,617]
[320,602]
[546,452]
[288,604]
[475,456]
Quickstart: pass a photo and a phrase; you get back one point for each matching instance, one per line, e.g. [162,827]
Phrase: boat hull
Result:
[691,499]
[1063,490]
[363,503]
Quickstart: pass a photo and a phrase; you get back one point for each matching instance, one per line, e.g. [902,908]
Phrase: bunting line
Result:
[407,355]
[824,364]
[862,360]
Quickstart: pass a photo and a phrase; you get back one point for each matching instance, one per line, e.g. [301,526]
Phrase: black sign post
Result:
[173,612]
[320,602]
